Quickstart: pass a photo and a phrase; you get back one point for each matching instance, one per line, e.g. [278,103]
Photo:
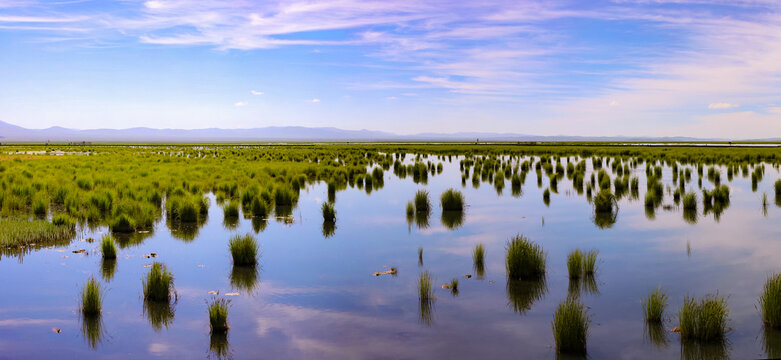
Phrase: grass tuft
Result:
[244,250]
[770,302]
[570,327]
[422,202]
[218,315]
[425,289]
[703,320]
[158,284]
[91,300]
[329,213]
[654,305]
[525,259]
[452,200]
[108,247]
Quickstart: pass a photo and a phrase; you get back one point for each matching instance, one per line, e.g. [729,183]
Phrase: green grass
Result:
[478,258]
[525,259]
[425,288]
[605,202]
[329,213]
[690,201]
[123,224]
[108,248]
[410,209]
[420,255]
[258,208]
[158,284]
[244,250]
[218,315]
[91,298]
[63,220]
[703,320]
[15,232]
[575,264]
[422,202]
[452,200]
[654,305]
[570,327]
[231,210]
[454,287]
[770,302]
[590,262]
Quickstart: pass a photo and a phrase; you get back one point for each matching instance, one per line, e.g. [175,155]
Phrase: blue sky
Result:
[646,67]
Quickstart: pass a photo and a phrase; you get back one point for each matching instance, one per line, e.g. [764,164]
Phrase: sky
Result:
[702,68]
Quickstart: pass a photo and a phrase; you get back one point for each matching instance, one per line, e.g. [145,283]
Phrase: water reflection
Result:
[92,330]
[690,216]
[183,230]
[426,311]
[452,219]
[108,268]
[586,285]
[694,350]
[771,342]
[522,294]
[244,278]
[219,348]
[159,313]
[422,219]
[605,220]
[329,229]
[126,240]
[259,224]
[656,334]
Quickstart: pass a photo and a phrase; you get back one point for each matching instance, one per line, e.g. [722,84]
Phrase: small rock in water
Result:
[491,281]
[446,286]
[392,271]
[213,292]
[467,276]
[150,255]
[80,251]
[676,329]
[56,330]
[232,294]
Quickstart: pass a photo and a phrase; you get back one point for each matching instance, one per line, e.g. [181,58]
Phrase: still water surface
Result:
[316,297]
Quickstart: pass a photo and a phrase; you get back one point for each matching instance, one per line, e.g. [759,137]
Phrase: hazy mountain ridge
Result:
[14,133]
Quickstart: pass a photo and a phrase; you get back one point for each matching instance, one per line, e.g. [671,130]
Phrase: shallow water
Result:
[316,297]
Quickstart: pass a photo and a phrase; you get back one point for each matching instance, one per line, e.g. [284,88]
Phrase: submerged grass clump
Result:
[570,327]
[770,302]
[91,299]
[525,259]
[108,247]
[244,250]
[218,315]
[159,283]
[703,320]
[452,200]
[654,305]
[605,202]
[329,213]
[690,201]
[422,202]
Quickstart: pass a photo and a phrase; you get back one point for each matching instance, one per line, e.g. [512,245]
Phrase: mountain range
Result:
[14,133]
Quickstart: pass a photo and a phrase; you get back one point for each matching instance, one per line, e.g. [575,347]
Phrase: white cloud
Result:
[253,92]
[722,105]
[614,103]
[391,98]
[240,104]
[774,110]
[315,100]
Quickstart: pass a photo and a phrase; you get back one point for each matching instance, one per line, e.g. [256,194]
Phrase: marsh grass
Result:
[158,284]
[478,260]
[329,213]
[244,250]
[570,327]
[454,287]
[590,262]
[770,302]
[425,289]
[91,298]
[654,305]
[452,200]
[420,256]
[452,219]
[605,202]
[218,315]
[219,346]
[231,210]
[108,247]
[575,264]
[525,260]
[108,267]
[690,201]
[703,320]
[16,232]
[422,202]
[159,313]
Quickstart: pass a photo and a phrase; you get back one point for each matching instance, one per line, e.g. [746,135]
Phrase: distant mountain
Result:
[14,133]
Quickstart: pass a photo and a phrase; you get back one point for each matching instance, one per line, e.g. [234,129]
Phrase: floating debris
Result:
[392,271]
[212,292]
[676,329]
[201,265]
[56,330]
[79,251]
[147,265]
[468,276]
[150,255]
[143,231]
[447,286]
[88,240]
[232,294]
[491,281]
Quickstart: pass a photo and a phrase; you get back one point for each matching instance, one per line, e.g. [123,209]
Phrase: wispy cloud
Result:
[240,104]
[315,101]
[722,105]
[255,92]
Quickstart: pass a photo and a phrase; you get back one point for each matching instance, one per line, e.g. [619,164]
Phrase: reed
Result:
[158,284]
[703,320]
[525,259]
[244,250]
[108,247]
[570,327]
[654,305]
[91,298]
[218,315]
[770,302]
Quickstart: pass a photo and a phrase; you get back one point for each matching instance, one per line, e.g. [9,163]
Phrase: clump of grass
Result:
[454,287]
[422,202]
[22,232]
[123,224]
[546,196]
[244,250]
[425,290]
[570,327]
[231,210]
[158,284]
[420,255]
[63,220]
[605,202]
[452,200]
[259,208]
[770,302]
[478,258]
[108,247]
[590,262]
[525,259]
[410,209]
[91,299]
[575,264]
[329,213]
[218,315]
[703,320]
[654,305]
[690,201]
